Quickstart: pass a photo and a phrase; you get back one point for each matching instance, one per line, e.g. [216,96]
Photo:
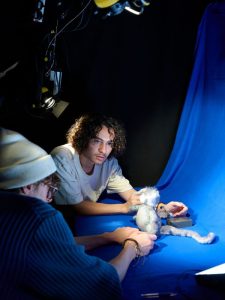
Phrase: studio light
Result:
[50,105]
[48,94]
[50,101]
[45,102]
[54,106]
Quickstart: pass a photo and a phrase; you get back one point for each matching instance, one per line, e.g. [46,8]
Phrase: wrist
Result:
[108,236]
[125,208]
[129,242]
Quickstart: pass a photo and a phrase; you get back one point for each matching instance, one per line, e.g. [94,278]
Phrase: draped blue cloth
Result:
[194,174]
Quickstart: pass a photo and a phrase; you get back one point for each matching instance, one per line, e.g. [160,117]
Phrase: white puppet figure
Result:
[149,214]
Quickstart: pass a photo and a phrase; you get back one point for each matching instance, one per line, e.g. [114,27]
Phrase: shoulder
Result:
[65,151]
[12,203]
[112,162]
[111,166]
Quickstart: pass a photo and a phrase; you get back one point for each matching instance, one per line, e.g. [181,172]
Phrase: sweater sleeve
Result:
[59,268]
[117,182]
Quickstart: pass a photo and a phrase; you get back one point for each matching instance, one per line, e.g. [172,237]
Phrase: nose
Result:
[103,147]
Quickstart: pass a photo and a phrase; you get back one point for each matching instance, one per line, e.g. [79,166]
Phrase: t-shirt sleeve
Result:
[60,269]
[117,182]
[69,192]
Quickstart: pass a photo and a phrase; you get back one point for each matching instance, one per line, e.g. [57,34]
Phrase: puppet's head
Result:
[149,196]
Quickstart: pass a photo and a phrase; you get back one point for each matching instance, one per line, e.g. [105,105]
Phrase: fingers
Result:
[135,199]
[176,208]
[134,202]
[153,236]
[145,242]
[183,212]
[146,248]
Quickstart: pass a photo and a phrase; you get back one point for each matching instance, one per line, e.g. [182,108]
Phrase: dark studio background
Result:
[134,68]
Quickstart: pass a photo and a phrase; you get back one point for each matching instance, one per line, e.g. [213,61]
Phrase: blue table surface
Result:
[170,266]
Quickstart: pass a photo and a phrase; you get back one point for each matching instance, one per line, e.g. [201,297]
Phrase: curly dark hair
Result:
[88,126]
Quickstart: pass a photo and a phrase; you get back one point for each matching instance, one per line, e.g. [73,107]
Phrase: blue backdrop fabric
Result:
[195,175]
[195,172]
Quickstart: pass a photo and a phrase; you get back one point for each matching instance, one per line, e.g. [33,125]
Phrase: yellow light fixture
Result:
[105,3]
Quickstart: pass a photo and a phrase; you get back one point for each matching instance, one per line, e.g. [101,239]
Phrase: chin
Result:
[99,162]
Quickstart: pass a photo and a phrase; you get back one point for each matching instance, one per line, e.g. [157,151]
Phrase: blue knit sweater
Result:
[39,258]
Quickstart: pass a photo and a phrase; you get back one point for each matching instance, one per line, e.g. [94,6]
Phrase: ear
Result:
[27,190]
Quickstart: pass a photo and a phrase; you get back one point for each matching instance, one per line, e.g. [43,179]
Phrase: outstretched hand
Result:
[145,241]
[176,209]
[122,233]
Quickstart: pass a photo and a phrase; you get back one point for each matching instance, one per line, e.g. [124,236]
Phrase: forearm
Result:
[122,261]
[91,242]
[128,194]
[135,244]
[94,208]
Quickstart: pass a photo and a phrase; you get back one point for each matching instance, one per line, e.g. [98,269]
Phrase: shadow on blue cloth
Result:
[195,175]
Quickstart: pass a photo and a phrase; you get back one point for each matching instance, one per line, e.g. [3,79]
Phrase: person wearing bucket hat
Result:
[39,256]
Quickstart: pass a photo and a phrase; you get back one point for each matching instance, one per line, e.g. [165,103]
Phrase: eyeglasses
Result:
[51,191]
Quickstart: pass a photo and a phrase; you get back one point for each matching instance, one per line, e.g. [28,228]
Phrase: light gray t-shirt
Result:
[77,186]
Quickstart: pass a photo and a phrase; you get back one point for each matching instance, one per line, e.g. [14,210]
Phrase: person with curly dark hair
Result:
[88,165]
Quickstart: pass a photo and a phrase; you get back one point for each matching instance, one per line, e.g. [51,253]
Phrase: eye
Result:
[96,141]
[110,144]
